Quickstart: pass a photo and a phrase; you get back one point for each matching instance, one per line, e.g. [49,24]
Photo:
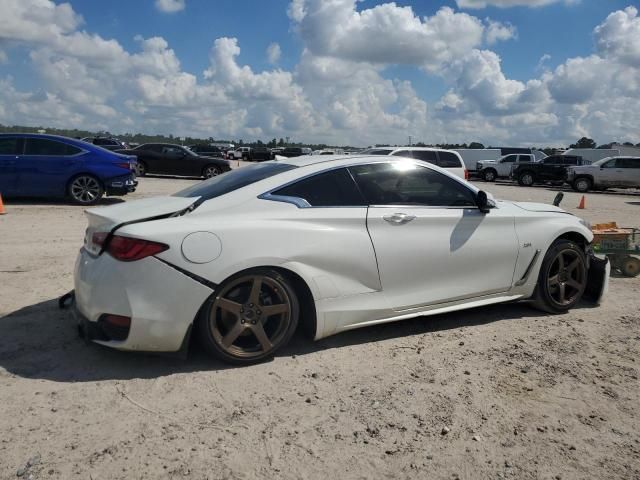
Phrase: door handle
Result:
[398,218]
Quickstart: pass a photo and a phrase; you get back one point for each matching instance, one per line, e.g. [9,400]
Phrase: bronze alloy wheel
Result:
[252,315]
[563,277]
[566,279]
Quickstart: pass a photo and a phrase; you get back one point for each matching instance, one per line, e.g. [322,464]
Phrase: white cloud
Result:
[170,6]
[341,91]
[273,53]
[384,34]
[619,36]
[499,32]
[509,3]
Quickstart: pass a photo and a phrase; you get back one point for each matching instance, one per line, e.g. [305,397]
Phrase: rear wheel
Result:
[526,179]
[85,189]
[250,317]
[489,175]
[562,278]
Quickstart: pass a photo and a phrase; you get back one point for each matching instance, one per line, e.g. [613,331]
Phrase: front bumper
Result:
[161,301]
[121,185]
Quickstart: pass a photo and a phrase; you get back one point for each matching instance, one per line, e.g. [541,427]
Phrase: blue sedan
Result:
[34,165]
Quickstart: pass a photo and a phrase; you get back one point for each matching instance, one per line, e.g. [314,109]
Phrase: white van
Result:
[447,159]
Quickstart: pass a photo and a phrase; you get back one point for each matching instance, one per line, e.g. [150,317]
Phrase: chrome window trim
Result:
[302,203]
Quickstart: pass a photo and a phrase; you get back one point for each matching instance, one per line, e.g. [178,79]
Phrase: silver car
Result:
[611,172]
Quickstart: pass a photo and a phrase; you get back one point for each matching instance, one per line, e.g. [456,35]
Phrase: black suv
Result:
[106,142]
[260,154]
[292,152]
[550,169]
[207,150]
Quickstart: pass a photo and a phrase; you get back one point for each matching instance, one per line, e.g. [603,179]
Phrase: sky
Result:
[341,72]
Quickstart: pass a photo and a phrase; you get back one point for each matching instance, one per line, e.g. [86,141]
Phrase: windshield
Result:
[189,152]
[233,180]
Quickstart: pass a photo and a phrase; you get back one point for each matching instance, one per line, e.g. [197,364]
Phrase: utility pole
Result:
[410,140]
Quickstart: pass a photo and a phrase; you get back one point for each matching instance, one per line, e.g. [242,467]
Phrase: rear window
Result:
[448,160]
[43,146]
[233,180]
[8,146]
[376,151]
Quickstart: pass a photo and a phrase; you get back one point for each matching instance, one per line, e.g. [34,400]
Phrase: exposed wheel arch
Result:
[574,237]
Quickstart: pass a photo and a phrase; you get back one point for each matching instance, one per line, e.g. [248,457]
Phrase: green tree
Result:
[584,142]
[476,145]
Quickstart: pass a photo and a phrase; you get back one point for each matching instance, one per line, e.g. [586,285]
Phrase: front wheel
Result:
[489,175]
[582,185]
[562,278]
[250,317]
[211,171]
[85,189]
[526,179]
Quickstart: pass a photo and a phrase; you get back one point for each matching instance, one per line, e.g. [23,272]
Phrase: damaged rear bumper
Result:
[597,279]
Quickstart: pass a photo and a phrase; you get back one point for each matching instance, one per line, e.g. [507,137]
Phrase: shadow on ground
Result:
[41,342]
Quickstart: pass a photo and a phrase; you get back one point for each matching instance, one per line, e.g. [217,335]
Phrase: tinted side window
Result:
[42,146]
[509,159]
[448,160]
[570,161]
[8,146]
[629,162]
[376,151]
[552,160]
[404,153]
[395,184]
[330,189]
[425,155]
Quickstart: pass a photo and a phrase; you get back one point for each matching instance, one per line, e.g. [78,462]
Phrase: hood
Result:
[106,218]
[539,207]
[487,161]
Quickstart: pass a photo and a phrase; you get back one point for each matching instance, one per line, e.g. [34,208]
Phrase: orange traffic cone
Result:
[582,203]
[2,212]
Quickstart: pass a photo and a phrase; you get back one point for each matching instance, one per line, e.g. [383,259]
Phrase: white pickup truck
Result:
[490,170]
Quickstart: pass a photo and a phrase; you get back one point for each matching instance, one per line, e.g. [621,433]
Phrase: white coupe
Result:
[326,243]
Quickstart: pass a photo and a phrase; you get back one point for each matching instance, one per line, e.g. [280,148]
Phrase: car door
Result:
[432,243]
[632,170]
[504,166]
[10,148]
[612,173]
[46,166]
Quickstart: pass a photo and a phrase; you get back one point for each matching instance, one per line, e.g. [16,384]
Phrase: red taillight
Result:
[127,249]
[466,174]
[117,320]
[126,165]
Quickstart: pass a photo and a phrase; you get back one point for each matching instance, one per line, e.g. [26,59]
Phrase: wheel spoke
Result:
[573,265]
[229,306]
[261,335]
[574,283]
[553,281]
[233,334]
[274,309]
[561,261]
[256,288]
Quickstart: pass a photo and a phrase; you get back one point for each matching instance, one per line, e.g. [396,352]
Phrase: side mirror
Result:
[482,201]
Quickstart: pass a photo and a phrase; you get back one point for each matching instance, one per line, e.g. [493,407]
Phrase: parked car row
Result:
[581,174]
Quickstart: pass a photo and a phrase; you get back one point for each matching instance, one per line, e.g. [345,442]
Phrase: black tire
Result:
[582,184]
[562,278]
[489,175]
[141,171]
[526,179]
[85,189]
[211,171]
[630,267]
[236,328]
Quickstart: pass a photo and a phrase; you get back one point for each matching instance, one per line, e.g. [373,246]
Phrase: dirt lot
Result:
[521,394]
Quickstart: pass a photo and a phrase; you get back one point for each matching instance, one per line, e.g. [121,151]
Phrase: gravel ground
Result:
[497,392]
